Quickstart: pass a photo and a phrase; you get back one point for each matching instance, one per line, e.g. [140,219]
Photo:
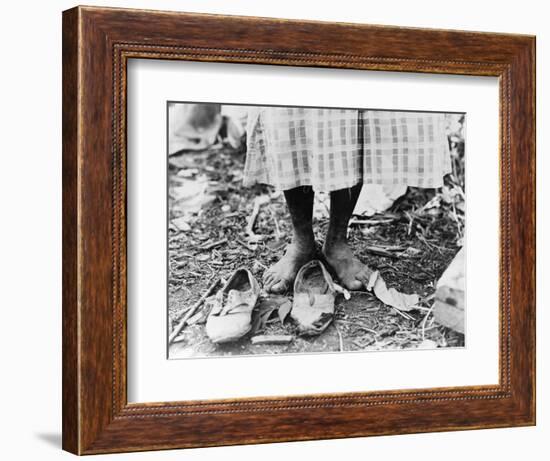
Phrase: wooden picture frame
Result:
[97,43]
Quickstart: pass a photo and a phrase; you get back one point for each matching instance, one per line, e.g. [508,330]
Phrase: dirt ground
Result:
[410,244]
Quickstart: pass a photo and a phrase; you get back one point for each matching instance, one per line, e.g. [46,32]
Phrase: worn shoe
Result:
[314,294]
[230,317]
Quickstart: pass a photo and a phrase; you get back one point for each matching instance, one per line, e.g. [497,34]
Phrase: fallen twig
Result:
[372,222]
[340,339]
[246,245]
[275,222]
[199,317]
[192,310]
[411,220]
[271,339]
[359,326]
[178,339]
[210,245]
[252,219]
[424,321]
[258,202]
[424,241]
[403,314]
[381,252]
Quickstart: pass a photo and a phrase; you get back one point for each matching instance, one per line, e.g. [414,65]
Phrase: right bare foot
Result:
[280,277]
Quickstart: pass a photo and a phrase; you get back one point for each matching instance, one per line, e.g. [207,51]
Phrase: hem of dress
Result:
[320,189]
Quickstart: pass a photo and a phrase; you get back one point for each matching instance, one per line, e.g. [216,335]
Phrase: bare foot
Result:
[280,277]
[353,274]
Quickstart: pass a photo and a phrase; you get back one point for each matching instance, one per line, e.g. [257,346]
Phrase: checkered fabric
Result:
[332,149]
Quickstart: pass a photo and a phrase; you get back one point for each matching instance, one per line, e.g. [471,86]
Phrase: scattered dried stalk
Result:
[340,339]
[246,245]
[381,252]
[424,322]
[258,201]
[372,222]
[403,314]
[210,245]
[192,310]
[275,222]
[271,339]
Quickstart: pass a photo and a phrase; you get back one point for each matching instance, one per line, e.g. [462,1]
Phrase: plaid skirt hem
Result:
[333,149]
[266,180]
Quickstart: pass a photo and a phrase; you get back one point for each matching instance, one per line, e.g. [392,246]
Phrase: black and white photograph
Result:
[310,230]
[265,231]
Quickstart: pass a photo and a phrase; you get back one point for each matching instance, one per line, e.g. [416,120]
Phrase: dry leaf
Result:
[375,198]
[264,310]
[182,224]
[427,344]
[284,310]
[390,296]
[372,280]
[188,172]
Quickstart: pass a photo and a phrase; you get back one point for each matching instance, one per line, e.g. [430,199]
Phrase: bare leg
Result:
[279,277]
[352,273]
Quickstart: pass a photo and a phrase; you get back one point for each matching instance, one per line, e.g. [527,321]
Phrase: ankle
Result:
[304,243]
[335,246]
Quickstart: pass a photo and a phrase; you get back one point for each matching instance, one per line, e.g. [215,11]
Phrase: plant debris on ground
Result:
[217,226]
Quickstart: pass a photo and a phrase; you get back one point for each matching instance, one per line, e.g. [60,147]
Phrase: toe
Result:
[269,282]
[279,287]
[353,284]
[364,275]
[268,278]
[271,279]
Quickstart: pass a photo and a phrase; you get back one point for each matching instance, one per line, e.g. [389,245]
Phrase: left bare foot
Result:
[353,274]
